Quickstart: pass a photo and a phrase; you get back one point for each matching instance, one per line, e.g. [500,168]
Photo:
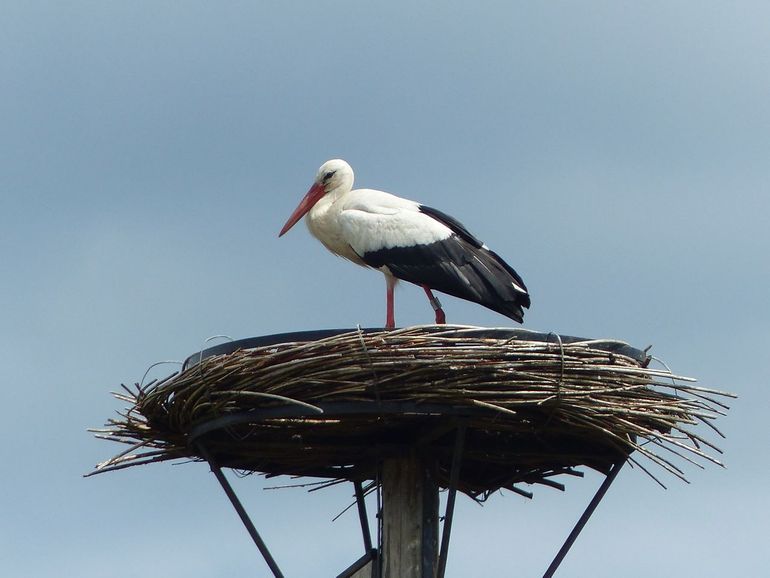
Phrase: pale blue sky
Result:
[616,154]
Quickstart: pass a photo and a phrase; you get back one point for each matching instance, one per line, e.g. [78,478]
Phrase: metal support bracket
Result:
[370,553]
[362,516]
[454,476]
[611,475]
[250,528]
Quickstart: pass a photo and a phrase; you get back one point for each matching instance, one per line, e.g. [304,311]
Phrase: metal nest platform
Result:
[477,409]
[335,403]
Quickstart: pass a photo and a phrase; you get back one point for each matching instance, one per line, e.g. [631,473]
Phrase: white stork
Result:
[409,241]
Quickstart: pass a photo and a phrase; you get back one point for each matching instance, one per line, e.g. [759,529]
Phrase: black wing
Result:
[459,265]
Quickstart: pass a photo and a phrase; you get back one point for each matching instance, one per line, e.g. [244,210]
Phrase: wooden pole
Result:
[410,518]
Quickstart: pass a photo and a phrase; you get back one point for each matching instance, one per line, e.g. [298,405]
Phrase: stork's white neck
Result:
[322,221]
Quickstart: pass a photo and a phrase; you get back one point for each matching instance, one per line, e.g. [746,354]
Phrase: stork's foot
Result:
[436,304]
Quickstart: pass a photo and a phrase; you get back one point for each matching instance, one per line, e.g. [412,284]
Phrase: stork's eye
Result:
[328,175]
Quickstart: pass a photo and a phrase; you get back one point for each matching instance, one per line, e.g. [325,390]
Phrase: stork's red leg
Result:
[436,304]
[390,317]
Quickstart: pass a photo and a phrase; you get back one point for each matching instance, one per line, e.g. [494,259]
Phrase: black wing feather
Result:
[458,266]
[456,226]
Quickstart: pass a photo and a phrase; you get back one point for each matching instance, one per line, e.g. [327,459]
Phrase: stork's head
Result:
[333,176]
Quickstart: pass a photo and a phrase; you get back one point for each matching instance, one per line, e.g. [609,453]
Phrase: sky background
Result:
[615,153]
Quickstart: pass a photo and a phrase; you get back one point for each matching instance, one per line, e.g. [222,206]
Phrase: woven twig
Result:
[527,388]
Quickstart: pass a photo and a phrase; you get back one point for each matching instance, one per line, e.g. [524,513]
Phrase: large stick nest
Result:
[533,406]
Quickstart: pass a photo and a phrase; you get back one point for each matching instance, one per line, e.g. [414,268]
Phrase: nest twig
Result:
[336,406]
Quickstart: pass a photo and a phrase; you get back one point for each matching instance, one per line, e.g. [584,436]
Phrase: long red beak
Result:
[311,198]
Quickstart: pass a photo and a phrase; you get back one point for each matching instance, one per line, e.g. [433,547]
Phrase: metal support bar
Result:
[362,516]
[584,518]
[370,559]
[430,520]
[454,477]
[217,471]
[377,566]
